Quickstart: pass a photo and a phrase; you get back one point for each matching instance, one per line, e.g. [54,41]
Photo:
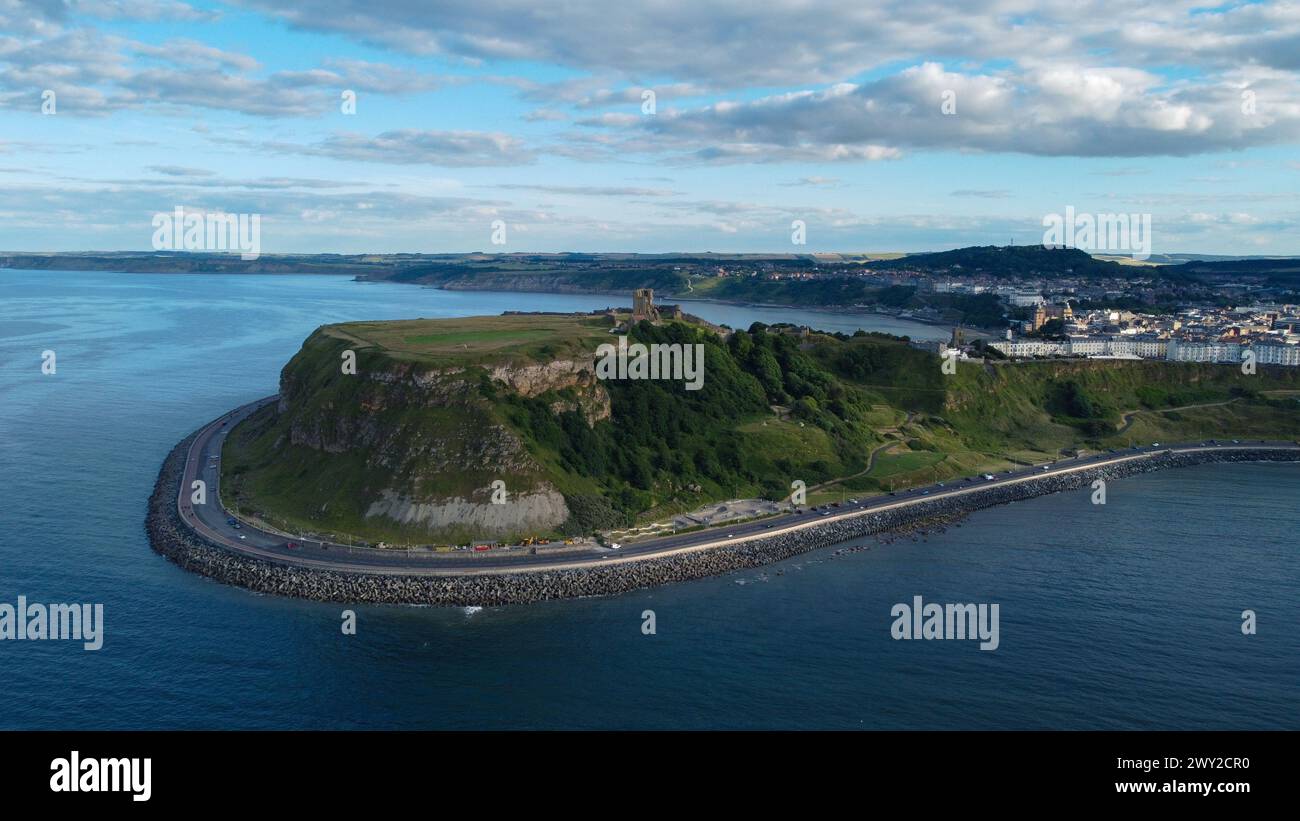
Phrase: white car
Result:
[615,546]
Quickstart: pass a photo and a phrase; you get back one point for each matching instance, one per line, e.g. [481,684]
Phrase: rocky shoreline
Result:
[171,538]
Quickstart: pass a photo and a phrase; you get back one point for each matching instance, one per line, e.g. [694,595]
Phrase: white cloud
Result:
[1058,111]
[780,43]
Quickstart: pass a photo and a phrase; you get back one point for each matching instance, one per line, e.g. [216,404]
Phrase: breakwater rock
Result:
[173,539]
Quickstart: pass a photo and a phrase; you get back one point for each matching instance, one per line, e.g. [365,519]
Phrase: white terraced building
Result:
[1284,352]
[1145,347]
[1023,348]
[1277,353]
[1268,352]
[1181,350]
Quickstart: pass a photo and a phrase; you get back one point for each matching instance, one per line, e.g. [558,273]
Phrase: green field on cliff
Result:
[478,340]
[440,409]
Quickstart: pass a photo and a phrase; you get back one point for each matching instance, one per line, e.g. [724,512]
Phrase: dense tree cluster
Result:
[663,440]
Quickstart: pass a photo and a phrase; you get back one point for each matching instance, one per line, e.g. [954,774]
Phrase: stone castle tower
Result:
[643,305]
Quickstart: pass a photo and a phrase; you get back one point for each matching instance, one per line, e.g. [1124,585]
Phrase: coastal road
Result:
[213,522]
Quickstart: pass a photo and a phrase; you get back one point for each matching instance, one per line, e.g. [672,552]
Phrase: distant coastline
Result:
[901,286]
[625,295]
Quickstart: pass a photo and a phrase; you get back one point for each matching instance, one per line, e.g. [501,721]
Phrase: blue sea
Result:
[1126,615]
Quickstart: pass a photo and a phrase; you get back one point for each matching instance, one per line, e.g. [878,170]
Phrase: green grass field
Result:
[477,340]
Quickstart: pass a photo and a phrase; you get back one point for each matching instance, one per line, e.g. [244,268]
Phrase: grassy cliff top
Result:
[481,339]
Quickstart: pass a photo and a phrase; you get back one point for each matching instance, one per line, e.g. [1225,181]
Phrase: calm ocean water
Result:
[1123,616]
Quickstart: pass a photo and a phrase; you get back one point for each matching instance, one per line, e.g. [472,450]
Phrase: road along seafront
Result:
[401,579]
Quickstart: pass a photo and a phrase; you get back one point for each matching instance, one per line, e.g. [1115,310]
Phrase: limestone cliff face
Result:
[540,510]
[429,441]
[579,376]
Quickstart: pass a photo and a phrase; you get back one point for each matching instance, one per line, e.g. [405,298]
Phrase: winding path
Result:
[1128,415]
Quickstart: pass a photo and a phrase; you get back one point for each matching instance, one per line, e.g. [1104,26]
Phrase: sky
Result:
[381,126]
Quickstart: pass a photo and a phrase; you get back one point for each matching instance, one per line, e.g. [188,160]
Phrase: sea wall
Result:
[171,538]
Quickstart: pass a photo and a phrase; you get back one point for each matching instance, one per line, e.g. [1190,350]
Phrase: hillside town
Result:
[1268,333]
